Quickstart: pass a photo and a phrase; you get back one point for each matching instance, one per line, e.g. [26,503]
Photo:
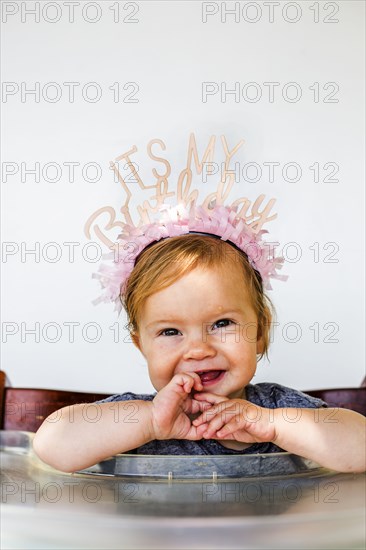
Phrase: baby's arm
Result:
[334,438]
[79,436]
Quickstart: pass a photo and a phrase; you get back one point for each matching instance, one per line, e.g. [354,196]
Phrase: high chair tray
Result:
[199,502]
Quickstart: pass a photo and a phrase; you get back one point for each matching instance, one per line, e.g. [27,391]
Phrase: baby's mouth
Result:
[209,377]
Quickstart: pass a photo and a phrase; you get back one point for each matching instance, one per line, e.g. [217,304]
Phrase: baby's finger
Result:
[208,414]
[212,398]
[204,418]
[192,382]
[183,382]
[227,409]
[228,429]
[193,378]
[214,426]
[197,381]
[199,406]
[195,433]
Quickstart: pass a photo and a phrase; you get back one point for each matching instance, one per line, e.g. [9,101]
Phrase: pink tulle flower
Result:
[178,220]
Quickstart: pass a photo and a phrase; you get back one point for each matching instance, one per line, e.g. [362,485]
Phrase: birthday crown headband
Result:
[240,224]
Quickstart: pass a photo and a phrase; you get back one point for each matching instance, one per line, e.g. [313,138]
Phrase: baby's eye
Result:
[169,332]
[222,323]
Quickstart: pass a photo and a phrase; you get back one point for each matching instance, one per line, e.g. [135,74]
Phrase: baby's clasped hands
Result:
[221,418]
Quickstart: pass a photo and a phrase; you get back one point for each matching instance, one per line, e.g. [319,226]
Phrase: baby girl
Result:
[199,314]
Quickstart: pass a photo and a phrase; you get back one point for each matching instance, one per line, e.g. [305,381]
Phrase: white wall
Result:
[169,52]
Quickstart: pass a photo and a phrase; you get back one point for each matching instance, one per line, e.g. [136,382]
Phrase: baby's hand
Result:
[235,419]
[172,405]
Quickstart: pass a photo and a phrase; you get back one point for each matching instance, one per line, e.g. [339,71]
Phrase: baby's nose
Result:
[198,349]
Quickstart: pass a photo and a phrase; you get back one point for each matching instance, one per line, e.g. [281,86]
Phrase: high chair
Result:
[345,398]
[26,408]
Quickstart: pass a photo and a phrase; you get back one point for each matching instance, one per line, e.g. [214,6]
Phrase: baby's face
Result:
[202,323]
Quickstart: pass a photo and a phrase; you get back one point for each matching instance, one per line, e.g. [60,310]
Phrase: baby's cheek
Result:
[160,375]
